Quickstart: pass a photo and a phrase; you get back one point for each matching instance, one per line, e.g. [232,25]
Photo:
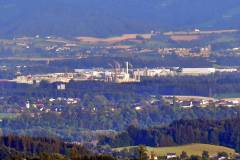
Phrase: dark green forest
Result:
[14,147]
[224,132]
[106,106]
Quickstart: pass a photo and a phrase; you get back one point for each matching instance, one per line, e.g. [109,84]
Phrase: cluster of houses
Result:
[187,52]
[194,101]
[164,155]
[57,104]
[65,100]
[174,156]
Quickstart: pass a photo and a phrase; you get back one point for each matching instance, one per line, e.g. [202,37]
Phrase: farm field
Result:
[191,149]
[8,115]
[110,40]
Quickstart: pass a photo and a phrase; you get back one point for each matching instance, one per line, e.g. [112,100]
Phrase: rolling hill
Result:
[112,17]
[190,149]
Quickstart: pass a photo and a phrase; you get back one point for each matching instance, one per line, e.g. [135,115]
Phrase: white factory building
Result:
[197,71]
[118,74]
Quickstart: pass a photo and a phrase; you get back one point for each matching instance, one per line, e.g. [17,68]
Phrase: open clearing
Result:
[191,36]
[110,40]
[185,37]
[187,98]
[8,115]
[191,149]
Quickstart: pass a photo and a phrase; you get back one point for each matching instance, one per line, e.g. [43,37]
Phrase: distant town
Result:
[119,74]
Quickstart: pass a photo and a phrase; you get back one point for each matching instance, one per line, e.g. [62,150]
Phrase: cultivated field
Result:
[185,37]
[191,36]
[188,98]
[201,32]
[110,40]
[191,149]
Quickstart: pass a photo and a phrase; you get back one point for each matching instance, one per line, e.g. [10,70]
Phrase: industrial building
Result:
[118,74]
[121,75]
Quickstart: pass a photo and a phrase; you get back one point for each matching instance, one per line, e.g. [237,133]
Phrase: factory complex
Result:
[118,74]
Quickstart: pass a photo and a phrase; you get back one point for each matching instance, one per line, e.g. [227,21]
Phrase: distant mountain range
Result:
[110,17]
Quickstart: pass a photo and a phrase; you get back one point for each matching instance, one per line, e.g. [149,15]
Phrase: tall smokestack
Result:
[127,67]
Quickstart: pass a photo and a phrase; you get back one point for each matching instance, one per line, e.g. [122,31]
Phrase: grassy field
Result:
[191,149]
[8,115]
[115,39]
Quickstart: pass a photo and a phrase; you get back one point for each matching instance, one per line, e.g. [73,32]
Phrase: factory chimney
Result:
[126,67]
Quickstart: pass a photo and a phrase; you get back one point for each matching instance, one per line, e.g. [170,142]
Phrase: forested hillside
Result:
[111,17]
[225,133]
[107,106]
[13,147]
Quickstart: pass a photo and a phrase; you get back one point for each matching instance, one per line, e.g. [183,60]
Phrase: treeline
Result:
[103,97]
[137,60]
[224,133]
[37,145]
[123,98]
[29,148]
[7,153]
[74,120]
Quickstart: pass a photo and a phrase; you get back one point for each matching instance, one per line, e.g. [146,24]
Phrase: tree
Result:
[205,155]
[194,157]
[45,156]
[74,154]
[142,152]
[183,155]
[222,154]
[152,155]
